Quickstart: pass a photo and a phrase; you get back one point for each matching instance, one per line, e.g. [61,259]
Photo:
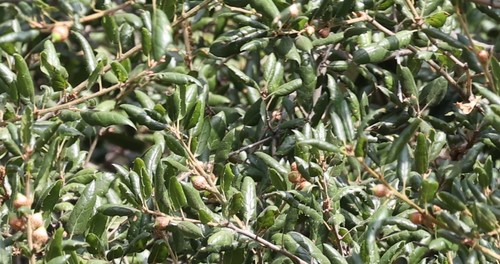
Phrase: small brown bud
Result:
[324,32]
[60,32]
[380,190]
[310,30]
[17,223]
[294,10]
[293,166]
[276,115]
[161,222]
[416,218]
[21,201]
[199,182]
[483,56]
[295,177]
[436,209]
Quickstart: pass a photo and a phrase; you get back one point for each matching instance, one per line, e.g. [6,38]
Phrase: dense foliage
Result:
[254,131]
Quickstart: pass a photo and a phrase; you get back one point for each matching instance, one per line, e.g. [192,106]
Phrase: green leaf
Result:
[287,88]
[437,19]
[176,192]
[176,78]
[249,199]
[55,246]
[321,145]
[174,145]
[159,252]
[24,82]
[306,243]
[83,211]
[140,116]
[429,188]
[285,48]
[9,78]
[59,260]
[220,239]
[120,71]
[116,210]
[402,140]
[369,247]
[272,163]
[49,197]
[101,118]
[88,52]
[161,34]
[421,154]
[26,126]
[190,230]
[231,42]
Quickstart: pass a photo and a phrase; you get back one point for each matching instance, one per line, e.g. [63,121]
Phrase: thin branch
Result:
[266,243]
[78,101]
[262,141]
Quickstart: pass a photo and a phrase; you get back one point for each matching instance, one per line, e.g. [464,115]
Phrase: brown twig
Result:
[266,243]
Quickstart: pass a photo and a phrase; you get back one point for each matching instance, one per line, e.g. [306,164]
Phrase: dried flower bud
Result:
[293,166]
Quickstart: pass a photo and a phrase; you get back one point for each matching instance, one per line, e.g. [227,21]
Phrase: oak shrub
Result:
[249,131]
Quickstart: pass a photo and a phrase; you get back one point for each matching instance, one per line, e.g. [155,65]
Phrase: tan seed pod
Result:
[21,201]
[36,220]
